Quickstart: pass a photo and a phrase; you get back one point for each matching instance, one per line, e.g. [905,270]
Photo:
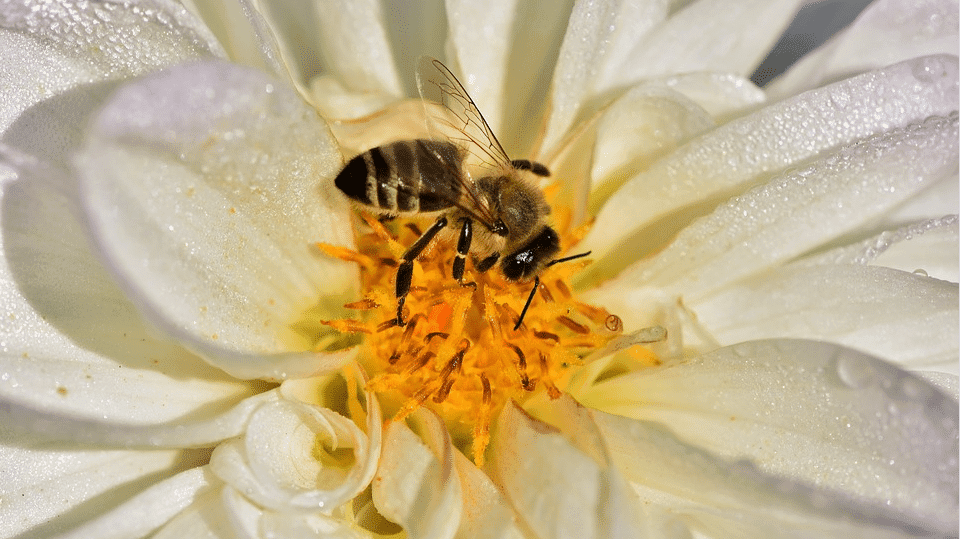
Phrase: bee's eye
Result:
[518,266]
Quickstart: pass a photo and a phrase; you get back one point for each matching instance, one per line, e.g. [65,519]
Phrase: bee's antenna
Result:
[567,259]
[536,283]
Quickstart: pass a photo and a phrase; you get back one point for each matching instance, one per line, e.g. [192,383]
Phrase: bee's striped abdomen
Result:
[410,176]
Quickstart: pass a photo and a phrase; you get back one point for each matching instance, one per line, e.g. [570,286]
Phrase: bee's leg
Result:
[405,271]
[532,166]
[487,263]
[523,313]
[463,247]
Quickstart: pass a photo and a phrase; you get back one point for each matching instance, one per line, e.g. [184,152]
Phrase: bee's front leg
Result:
[405,271]
[463,247]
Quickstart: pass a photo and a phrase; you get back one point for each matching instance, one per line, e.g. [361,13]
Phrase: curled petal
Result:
[289,458]
[416,485]
[203,188]
[810,412]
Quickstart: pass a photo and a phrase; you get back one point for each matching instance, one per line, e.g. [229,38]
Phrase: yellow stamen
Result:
[458,353]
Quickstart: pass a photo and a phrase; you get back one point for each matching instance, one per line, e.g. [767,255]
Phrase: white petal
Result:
[887,31]
[559,488]
[597,36]
[356,47]
[417,486]
[47,48]
[205,190]
[712,35]
[643,125]
[812,412]
[926,248]
[948,383]
[71,342]
[507,54]
[746,151]
[312,526]
[684,489]
[74,347]
[204,519]
[150,509]
[211,427]
[907,318]
[47,486]
[723,95]
[486,512]
[940,199]
[482,69]
[795,213]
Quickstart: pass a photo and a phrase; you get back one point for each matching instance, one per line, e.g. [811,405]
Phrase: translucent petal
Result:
[811,412]
[48,486]
[795,213]
[46,48]
[417,485]
[887,31]
[745,152]
[204,189]
[906,318]
[151,508]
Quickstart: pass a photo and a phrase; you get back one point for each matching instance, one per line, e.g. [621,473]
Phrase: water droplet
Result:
[855,372]
[921,271]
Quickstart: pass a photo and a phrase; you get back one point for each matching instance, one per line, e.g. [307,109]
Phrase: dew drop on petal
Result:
[855,372]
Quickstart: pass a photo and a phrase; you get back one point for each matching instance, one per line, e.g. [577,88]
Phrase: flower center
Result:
[458,353]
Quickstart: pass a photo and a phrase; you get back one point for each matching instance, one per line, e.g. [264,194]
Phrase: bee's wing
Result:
[458,118]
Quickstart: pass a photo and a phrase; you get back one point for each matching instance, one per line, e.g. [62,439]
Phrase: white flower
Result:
[145,176]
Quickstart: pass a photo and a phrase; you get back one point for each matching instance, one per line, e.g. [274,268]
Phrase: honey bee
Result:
[464,177]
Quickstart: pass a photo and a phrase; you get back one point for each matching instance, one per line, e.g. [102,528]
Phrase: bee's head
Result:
[527,261]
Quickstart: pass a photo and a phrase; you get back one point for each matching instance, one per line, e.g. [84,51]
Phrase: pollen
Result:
[458,353]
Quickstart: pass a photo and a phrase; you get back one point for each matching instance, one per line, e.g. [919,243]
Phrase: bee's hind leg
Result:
[405,271]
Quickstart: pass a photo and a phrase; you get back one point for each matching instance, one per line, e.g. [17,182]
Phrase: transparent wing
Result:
[458,119]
